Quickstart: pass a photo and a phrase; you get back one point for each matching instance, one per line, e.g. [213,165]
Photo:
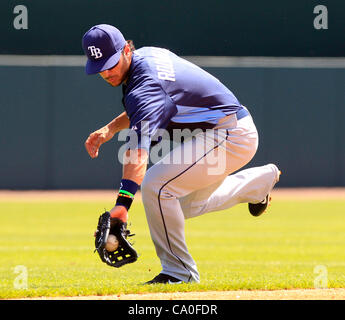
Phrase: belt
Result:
[225,122]
[243,112]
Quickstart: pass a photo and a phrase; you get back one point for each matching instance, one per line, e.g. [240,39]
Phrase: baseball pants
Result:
[197,177]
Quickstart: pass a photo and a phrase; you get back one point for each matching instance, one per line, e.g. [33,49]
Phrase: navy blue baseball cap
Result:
[102,45]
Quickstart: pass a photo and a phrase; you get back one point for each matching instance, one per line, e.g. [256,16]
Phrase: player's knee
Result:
[154,185]
[147,186]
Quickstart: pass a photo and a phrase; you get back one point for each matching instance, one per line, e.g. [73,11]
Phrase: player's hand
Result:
[119,212]
[96,139]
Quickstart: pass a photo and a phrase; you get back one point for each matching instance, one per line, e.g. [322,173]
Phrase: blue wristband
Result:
[128,188]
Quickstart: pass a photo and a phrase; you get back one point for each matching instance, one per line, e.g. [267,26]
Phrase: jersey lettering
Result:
[164,65]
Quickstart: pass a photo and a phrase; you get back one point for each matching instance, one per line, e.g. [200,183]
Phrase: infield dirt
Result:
[298,294]
[106,195]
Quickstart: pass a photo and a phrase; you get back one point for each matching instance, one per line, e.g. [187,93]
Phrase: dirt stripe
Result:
[109,195]
[296,294]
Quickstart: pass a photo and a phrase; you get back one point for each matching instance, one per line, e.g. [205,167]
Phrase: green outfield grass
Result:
[279,250]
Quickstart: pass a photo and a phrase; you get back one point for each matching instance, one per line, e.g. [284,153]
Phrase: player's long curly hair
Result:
[131,44]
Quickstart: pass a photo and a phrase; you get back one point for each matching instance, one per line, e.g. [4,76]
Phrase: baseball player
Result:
[162,91]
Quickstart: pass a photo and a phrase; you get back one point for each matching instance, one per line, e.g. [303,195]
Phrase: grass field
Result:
[282,249]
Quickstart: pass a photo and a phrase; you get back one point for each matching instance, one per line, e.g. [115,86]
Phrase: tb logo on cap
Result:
[95,52]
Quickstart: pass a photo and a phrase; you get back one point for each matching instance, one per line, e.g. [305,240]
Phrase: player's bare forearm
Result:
[134,169]
[119,123]
[104,134]
[135,165]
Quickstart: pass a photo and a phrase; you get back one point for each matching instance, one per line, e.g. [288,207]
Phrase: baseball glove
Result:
[125,253]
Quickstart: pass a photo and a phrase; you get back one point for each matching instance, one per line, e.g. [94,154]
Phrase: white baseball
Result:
[112,243]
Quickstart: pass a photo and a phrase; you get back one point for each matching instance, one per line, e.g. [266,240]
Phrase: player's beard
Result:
[115,84]
[120,80]
[112,84]
[119,73]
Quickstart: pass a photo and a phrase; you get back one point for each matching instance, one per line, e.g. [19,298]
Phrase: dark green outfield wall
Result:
[193,27]
[47,112]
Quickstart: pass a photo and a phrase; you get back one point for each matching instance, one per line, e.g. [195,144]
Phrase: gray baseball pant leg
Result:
[246,186]
[206,169]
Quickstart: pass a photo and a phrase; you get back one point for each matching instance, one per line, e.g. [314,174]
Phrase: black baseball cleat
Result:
[257,209]
[164,278]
